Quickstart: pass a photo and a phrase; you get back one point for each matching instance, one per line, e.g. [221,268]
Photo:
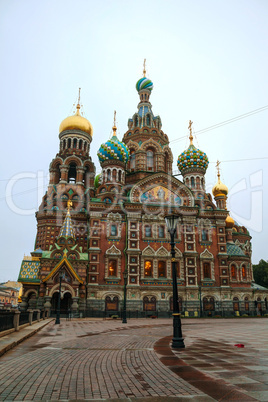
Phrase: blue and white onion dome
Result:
[192,158]
[144,83]
[113,149]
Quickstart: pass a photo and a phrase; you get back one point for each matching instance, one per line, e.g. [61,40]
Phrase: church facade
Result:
[91,229]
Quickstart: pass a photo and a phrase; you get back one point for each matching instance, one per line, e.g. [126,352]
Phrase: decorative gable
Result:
[148,251]
[113,251]
[206,254]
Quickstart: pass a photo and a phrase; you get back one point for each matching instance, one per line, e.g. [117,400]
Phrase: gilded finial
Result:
[78,103]
[218,169]
[144,68]
[114,126]
[191,136]
[69,205]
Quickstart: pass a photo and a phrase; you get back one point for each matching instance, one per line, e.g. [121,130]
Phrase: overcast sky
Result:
[208,62]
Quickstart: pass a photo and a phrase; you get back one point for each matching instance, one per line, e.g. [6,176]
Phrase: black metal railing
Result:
[6,321]
[24,318]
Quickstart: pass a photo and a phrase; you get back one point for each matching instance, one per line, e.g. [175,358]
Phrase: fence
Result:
[14,319]
[6,321]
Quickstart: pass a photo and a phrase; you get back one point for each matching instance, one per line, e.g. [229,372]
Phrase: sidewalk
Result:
[13,339]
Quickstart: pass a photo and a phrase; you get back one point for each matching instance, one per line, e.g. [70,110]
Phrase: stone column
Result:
[47,305]
[23,304]
[38,315]
[30,316]
[74,306]
[16,320]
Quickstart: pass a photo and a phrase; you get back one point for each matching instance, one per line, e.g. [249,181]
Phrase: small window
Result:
[204,234]
[150,160]
[244,274]
[148,268]
[233,271]
[207,274]
[148,231]
[113,230]
[161,231]
[161,269]
[112,268]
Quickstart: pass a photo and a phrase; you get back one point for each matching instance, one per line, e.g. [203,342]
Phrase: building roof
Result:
[234,250]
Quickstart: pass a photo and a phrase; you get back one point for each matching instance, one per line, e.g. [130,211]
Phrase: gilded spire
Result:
[144,68]
[78,103]
[114,126]
[191,135]
[218,169]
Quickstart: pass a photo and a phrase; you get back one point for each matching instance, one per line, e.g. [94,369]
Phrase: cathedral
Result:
[96,233]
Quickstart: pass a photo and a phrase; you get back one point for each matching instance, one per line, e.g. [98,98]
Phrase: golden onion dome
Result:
[229,222]
[219,188]
[76,122]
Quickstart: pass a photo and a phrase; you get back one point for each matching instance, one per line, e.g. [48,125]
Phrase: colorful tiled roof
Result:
[29,271]
[67,229]
[234,250]
[113,150]
[192,158]
[144,83]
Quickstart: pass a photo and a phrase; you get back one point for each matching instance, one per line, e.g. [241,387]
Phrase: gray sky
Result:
[208,62]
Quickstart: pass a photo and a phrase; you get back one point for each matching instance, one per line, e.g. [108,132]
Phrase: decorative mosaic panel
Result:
[29,271]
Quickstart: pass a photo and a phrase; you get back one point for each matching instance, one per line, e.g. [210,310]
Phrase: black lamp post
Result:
[124,320]
[200,300]
[61,276]
[177,341]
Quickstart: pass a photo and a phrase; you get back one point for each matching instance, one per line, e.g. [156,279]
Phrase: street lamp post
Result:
[124,320]
[177,341]
[200,301]
[61,275]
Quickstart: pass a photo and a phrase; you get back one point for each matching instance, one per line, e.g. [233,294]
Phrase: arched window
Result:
[150,160]
[148,268]
[192,182]
[119,176]
[112,271]
[207,271]
[233,272]
[149,303]
[136,121]
[111,303]
[69,143]
[132,160]
[198,183]
[204,234]
[161,231]
[108,174]
[244,272]
[208,304]
[161,269]
[72,173]
[202,183]
[75,143]
[113,230]
[85,146]
[114,174]
[246,304]
[236,304]
[148,231]
[64,144]
[148,120]
[80,144]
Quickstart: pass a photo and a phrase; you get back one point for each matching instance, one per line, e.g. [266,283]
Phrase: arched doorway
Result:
[65,302]
[149,303]
[209,304]
[111,303]
[236,304]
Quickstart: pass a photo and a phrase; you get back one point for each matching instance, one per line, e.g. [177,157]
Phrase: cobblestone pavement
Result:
[98,360]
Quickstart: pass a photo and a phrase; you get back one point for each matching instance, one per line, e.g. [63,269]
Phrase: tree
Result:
[260,273]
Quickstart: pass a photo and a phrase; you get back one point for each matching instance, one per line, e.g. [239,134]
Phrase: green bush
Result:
[114,317]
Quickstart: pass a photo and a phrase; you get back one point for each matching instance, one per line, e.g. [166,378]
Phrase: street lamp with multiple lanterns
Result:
[177,340]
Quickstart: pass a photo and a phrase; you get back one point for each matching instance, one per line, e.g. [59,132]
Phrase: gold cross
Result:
[144,68]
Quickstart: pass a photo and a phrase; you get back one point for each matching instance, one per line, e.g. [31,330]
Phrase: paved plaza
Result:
[105,359]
